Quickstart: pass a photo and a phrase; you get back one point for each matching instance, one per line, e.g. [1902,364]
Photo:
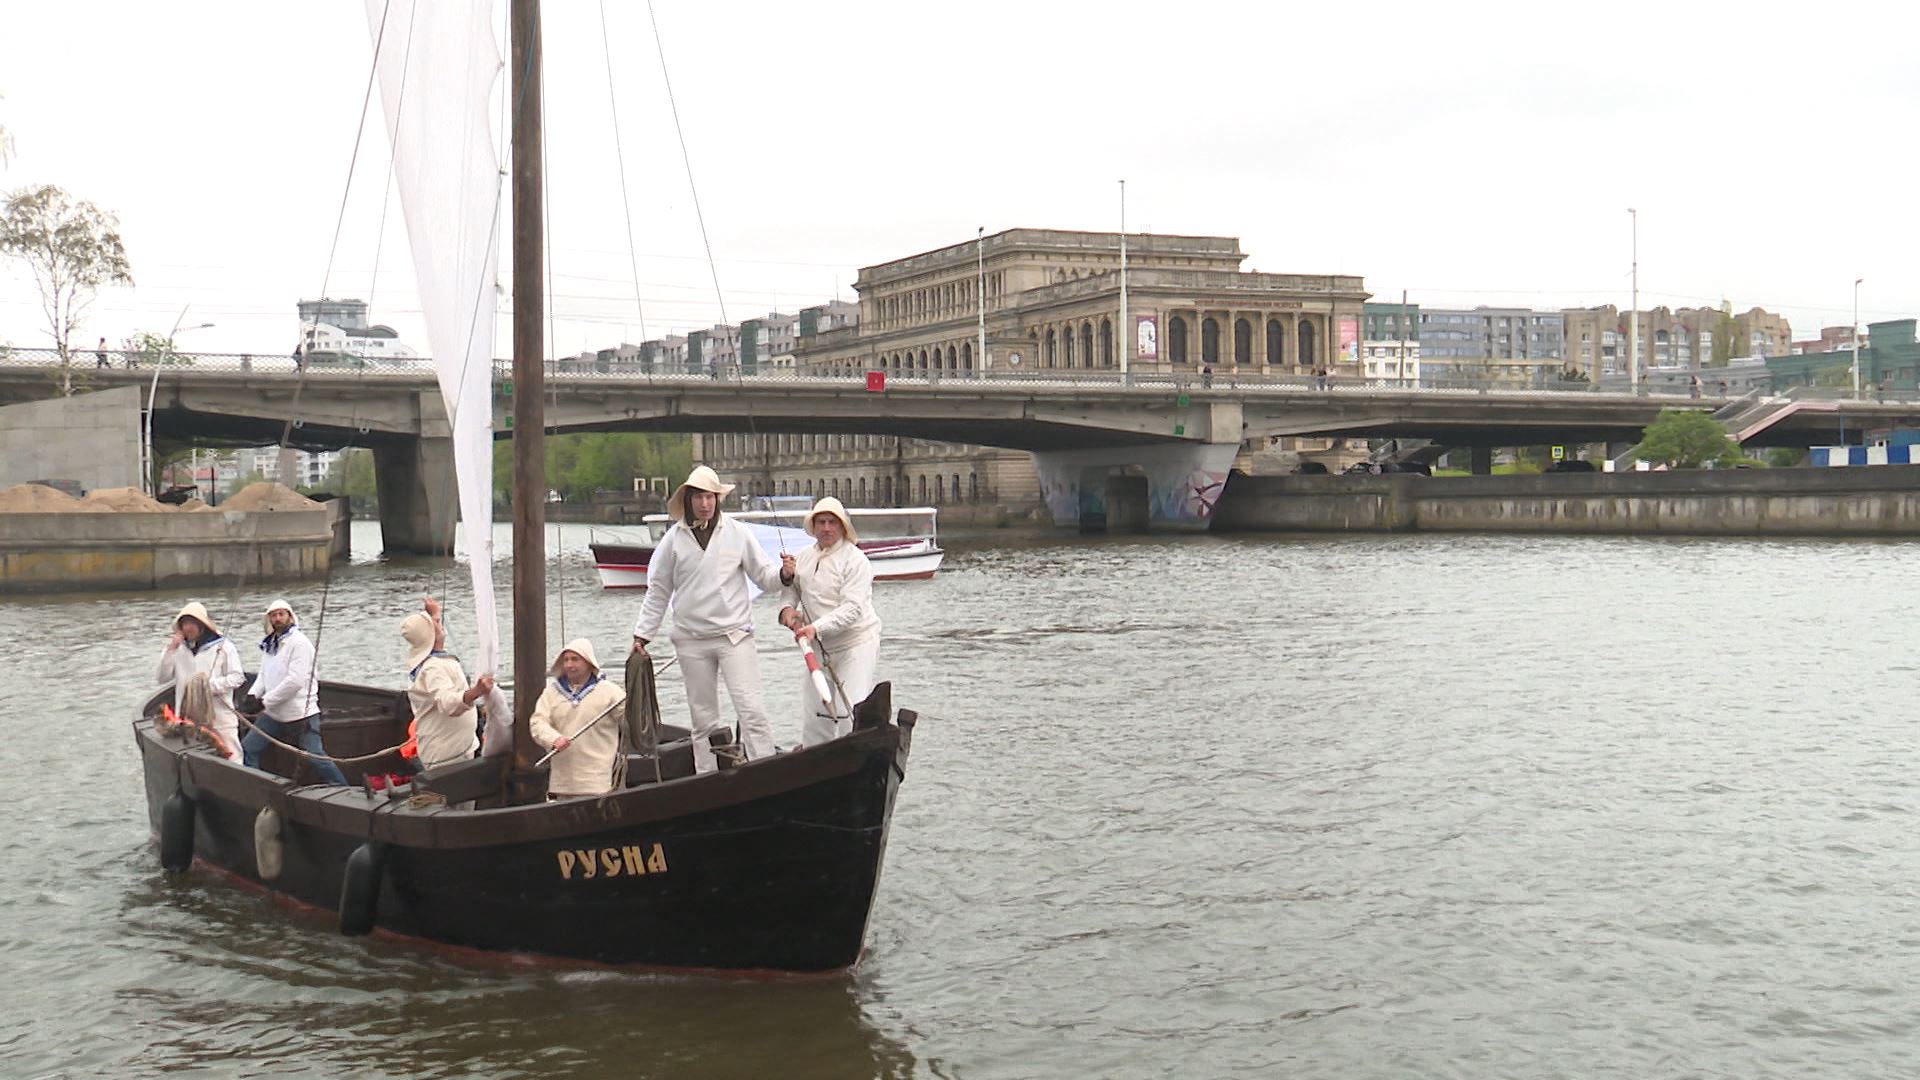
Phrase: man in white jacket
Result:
[835,611]
[702,566]
[288,695]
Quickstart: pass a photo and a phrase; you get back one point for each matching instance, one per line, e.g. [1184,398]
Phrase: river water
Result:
[1252,806]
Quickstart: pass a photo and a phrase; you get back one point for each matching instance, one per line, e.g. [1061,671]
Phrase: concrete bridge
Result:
[1080,425]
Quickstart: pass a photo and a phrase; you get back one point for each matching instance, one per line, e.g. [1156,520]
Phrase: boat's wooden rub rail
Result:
[348,811]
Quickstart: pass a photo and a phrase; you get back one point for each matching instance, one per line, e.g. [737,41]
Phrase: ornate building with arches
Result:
[1052,300]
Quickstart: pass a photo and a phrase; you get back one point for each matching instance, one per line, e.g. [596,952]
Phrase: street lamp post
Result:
[1126,335]
[1853,332]
[1633,315]
[980,295]
[147,479]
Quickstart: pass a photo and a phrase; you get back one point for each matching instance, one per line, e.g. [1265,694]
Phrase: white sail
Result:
[437,64]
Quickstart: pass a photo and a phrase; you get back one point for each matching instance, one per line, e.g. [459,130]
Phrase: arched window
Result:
[1209,341]
[1176,340]
[973,488]
[863,492]
[1276,338]
[1307,354]
[1066,347]
[939,490]
[1242,341]
[886,491]
[923,359]
[956,487]
[1086,350]
[953,359]
[966,357]
[1050,348]
[1106,342]
[923,488]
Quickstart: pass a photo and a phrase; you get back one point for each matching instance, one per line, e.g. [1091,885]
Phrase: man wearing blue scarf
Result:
[288,693]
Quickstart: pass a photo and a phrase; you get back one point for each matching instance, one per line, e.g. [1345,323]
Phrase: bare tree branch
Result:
[73,248]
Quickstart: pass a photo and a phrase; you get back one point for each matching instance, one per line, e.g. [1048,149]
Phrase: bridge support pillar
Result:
[1481,458]
[1129,503]
[419,499]
[1135,488]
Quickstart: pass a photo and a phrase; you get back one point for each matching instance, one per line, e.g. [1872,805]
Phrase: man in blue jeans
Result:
[288,693]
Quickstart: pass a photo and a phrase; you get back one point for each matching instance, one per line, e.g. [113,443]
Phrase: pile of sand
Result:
[267,495]
[191,504]
[41,499]
[123,500]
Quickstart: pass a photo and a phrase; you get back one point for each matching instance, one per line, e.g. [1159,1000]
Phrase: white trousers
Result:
[855,666]
[704,662]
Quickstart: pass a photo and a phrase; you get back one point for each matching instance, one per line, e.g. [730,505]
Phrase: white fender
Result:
[269,853]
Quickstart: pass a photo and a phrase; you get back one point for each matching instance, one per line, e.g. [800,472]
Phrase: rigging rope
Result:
[661,48]
[399,113]
[366,101]
[613,103]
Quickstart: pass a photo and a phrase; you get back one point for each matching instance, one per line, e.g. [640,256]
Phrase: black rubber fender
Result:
[360,888]
[176,833]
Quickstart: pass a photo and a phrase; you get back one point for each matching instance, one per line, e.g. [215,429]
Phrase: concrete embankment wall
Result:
[1864,501]
[91,439]
[65,552]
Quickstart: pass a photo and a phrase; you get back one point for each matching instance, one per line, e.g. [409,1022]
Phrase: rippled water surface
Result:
[1309,807]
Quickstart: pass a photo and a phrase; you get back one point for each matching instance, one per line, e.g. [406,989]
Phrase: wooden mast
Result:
[529,379]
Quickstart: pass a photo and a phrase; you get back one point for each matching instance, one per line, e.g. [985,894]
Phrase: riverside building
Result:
[1052,306]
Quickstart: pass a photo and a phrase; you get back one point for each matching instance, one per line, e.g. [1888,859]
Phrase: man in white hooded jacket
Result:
[195,649]
[835,611]
[288,693]
[702,566]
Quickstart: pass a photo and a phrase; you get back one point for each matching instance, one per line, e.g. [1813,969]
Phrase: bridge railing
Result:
[576,371]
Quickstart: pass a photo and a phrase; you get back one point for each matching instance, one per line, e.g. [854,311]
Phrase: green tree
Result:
[580,465]
[72,248]
[242,483]
[1785,457]
[147,349]
[1686,439]
[351,478]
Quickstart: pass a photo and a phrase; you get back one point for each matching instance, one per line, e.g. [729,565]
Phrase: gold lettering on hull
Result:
[633,860]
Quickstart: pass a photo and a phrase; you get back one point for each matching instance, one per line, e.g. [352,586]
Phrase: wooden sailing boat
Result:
[770,866]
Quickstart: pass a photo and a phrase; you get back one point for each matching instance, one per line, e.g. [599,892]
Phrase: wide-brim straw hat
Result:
[583,646]
[700,479]
[417,628]
[831,505]
[198,612]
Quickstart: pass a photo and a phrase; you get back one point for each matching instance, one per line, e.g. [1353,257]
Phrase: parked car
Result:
[1311,468]
[1376,468]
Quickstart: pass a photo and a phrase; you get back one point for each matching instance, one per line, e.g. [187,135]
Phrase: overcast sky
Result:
[1466,153]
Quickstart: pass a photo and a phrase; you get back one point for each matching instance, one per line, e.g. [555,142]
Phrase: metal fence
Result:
[575,371]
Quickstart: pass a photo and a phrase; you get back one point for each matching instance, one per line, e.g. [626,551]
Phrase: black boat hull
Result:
[771,866]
